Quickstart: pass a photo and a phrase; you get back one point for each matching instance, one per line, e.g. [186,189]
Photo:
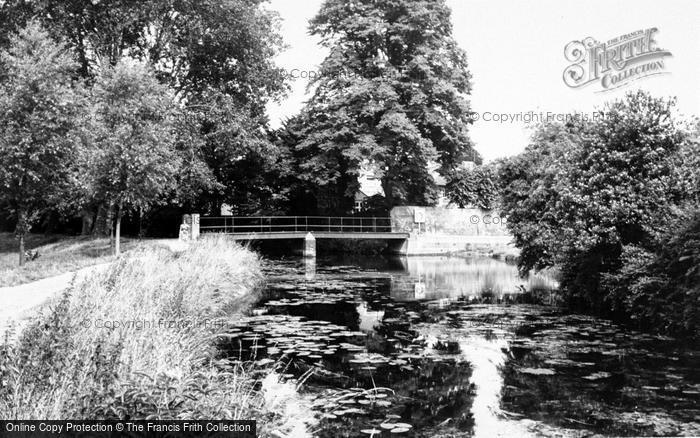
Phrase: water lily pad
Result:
[598,376]
[403,425]
[538,371]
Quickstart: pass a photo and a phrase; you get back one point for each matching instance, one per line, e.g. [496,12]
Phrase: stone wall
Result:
[437,230]
[448,221]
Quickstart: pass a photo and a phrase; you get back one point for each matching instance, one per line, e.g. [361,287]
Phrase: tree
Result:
[528,193]
[239,153]
[133,160]
[473,187]
[391,96]
[39,111]
[658,283]
[193,45]
[210,53]
[584,191]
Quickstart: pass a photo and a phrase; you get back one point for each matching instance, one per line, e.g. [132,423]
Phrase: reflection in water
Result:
[369,319]
[309,268]
[486,353]
[486,357]
[430,278]
[282,397]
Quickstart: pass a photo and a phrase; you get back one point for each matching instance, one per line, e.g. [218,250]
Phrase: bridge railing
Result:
[289,224]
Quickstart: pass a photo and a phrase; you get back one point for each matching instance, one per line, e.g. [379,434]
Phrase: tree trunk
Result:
[110,224]
[100,227]
[88,218]
[118,231]
[388,193]
[142,230]
[21,230]
[21,249]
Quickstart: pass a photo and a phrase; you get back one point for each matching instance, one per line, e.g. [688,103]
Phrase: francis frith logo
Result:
[616,62]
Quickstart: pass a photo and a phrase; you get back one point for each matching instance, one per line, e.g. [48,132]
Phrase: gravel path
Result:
[17,303]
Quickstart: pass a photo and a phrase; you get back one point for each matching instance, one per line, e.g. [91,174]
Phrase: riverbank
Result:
[137,341]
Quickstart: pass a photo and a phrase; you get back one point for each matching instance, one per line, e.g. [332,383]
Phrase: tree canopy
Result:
[588,196]
[391,97]
[473,187]
[194,45]
[131,159]
[40,108]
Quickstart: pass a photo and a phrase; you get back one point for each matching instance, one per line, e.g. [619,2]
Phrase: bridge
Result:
[410,230]
[308,228]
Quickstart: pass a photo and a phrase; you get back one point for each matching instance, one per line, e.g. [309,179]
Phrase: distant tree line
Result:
[114,108]
[146,110]
[614,204]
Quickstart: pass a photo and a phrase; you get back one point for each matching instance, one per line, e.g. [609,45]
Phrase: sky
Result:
[515,51]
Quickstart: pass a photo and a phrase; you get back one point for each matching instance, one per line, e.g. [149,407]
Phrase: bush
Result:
[662,289]
[595,198]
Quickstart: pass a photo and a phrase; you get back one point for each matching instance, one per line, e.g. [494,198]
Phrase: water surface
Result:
[455,347]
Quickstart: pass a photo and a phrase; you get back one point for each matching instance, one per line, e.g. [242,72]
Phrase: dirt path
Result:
[17,303]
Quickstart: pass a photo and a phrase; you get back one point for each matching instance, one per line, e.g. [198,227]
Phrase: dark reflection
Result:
[451,347]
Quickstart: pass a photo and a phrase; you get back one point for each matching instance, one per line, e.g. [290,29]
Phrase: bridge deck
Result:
[296,227]
[317,235]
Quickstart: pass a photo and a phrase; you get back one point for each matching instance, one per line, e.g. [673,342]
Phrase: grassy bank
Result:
[57,255]
[71,364]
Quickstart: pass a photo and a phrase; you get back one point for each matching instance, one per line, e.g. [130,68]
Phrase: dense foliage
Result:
[596,199]
[659,288]
[39,111]
[131,161]
[214,60]
[390,100]
[473,188]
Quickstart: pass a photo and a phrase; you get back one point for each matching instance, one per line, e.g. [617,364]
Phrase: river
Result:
[459,347]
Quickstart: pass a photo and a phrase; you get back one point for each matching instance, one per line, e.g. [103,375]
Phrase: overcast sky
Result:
[515,50]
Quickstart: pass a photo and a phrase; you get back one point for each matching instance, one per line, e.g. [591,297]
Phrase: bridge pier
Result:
[309,246]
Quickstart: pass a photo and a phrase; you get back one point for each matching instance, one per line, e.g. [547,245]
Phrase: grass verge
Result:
[139,342]
[57,255]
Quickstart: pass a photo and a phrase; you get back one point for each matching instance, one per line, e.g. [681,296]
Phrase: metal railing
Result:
[294,224]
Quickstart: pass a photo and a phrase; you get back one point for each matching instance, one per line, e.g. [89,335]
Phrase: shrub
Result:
[662,289]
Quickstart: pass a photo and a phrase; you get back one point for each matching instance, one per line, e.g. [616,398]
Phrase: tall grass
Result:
[69,365]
